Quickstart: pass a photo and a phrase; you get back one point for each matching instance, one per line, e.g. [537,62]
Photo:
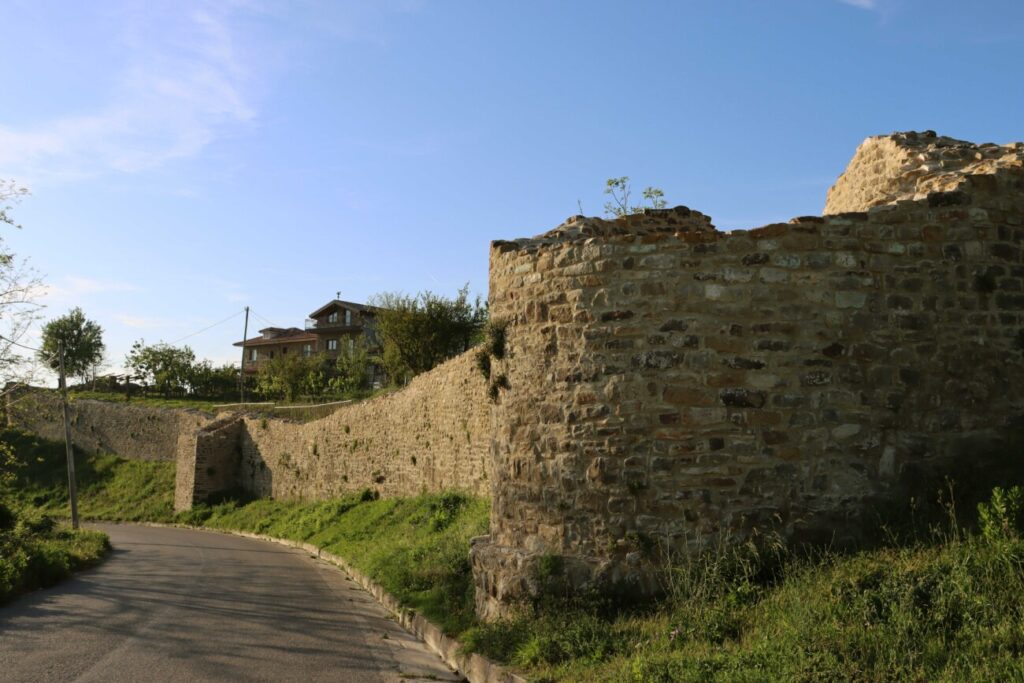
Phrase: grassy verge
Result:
[416,548]
[109,487]
[35,552]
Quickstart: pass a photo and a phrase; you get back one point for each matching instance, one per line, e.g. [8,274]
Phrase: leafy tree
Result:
[289,376]
[211,382]
[620,191]
[83,343]
[167,368]
[19,288]
[418,332]
[351,368]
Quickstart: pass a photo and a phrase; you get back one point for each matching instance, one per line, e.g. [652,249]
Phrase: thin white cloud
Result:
[179,87]
[72,289]
[140,322]
[862,4]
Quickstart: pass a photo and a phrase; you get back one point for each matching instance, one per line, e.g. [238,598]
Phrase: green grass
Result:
[109,487]
[35,552]
[948,607]
[148,401]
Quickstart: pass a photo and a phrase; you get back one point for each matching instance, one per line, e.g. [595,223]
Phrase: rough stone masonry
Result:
[670,383]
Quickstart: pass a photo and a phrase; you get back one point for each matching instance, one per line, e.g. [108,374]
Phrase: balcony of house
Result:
[339,325]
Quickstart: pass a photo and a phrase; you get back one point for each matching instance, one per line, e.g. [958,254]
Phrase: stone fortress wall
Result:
[132,431]
[671,383]
[668,383]
[433,435]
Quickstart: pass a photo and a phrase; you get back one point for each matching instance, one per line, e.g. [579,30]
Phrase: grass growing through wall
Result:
[109,487]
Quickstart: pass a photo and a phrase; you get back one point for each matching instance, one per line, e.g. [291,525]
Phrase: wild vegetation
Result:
[35,551]
[946,607]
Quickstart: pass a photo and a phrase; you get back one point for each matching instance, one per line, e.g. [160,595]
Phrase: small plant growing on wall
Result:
[493,349]
[483,363]
[500,382]
[495,338]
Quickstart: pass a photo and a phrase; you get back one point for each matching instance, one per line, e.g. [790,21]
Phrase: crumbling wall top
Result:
[910,165]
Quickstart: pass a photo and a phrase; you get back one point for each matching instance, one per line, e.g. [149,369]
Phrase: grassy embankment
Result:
[947,605]
[149,401]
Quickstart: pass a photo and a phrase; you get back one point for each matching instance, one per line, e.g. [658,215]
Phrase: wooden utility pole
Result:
[72,485]
[241,368]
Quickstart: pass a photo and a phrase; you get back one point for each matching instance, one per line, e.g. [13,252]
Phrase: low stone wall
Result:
[432,435]
[129,430]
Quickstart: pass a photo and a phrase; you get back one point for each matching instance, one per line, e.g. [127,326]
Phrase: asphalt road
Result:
[182,605]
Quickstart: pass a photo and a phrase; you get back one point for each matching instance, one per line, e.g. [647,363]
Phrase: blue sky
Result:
[186,159]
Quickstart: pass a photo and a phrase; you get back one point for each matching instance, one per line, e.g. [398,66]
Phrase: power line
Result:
[263,319]
[210,327]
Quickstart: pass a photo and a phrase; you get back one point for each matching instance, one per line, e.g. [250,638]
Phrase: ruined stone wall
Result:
[432,435]
[129,430]
[211,466]
[889,168]
[672,383]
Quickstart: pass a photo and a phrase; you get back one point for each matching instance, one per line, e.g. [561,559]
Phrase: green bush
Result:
[35,553]
[1000,518]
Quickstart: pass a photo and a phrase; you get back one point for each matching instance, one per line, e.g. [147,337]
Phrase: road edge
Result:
[475,668]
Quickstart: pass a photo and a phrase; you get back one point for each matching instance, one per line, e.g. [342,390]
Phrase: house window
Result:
[348,317]
[332,344]
[253,354]
[271,355]
[284,350]
[351,344]
[307,350]
[333,317]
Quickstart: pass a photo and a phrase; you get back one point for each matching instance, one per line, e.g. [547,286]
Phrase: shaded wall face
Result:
[675,386]
[430,436]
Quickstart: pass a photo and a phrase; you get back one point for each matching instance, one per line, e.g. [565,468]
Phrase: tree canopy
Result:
[165,367]
[418,332]
[83,343]
[289,376]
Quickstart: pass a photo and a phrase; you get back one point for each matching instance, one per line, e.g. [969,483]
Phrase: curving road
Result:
[182,605]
